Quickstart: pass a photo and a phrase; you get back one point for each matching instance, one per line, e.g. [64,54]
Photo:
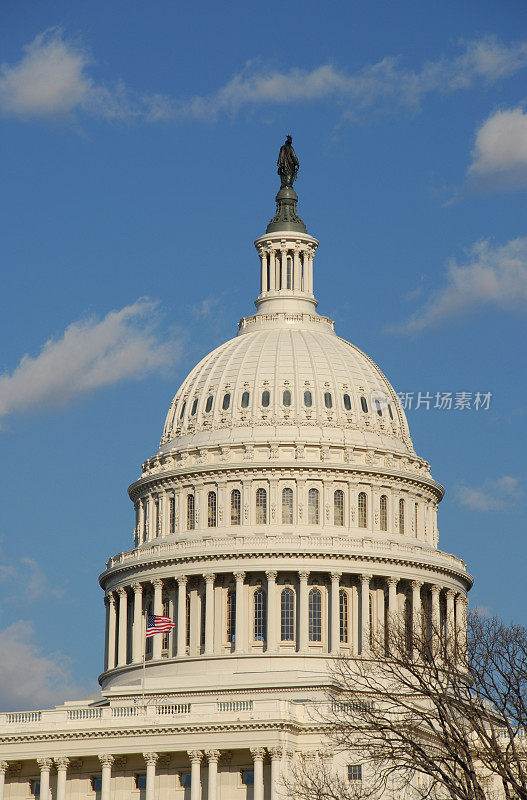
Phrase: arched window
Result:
[236,507]
[211,510]
[312,507]
[260,614]
[187,618]
[343,615]
[231,615]
[172,514]
[183,407]
[287,615]
[390,411]
[194,406]
[363,510]
[416,518]
[377,404]
[166,636]
[383,509]
[157,520]
[261,507]
[208,404]
[338,508]
[328,400]
[373,628]
[191,512]
[314,614]
[287,506]
[245,399]
[347,402]
[145,520]
[401,516]
[226,401]
[364,405]
[308,399]
[266,398]
[286,398]
[289,273]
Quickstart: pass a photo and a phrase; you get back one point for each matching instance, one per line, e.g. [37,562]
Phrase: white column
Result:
[62,765]
[276,754]
[45,766]
[240,616]
[209,613]
[303,621]
[271,610]
[461,625]
[3,769]
[213,756]
[151,761]
[157,639]
[195,773]
[296,270]
[258,754]
[106,630]
[436,619]
[263,271]
[365,614]
[181,615]
[272,270]
[137,628]
[123,626]
[416,609]
[392,608]
[335,612]
[140,522]
[111,630]
[106,777]
[283,267]
[450,629]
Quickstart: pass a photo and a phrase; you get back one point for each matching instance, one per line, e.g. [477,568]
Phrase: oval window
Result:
[245,399]
[226,401]
[208,404]
[364,405]
[347,402]
[390,411]
[308,399]
[287,397]
[266,398]
[182,410]
[328,402]
[194,406]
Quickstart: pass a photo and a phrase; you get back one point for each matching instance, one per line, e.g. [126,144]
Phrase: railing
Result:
[235,705]
[353,705]
[85,713]
[24,716]
[127,711]
[176,708]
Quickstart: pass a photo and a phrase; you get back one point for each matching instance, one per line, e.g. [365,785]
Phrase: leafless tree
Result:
[427,711]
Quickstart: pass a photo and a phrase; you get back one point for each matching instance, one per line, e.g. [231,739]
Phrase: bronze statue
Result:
[287,164]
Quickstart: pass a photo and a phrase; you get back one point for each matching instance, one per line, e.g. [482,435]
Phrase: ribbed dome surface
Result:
[289,376]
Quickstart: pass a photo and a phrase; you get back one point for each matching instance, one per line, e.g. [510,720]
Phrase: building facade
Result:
[284,519]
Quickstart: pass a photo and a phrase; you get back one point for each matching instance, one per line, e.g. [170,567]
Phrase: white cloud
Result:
[28,573]
[499,158]
[31,678]
[89,354]
[491,276]
[55,77]
[492,495]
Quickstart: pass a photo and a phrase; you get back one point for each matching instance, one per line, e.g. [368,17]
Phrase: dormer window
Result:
[245,399]
[328,400]
[182,410]
[286,398]
[226,401]
[364,405]
[347,402]
[308,399]
[194,406]
[208,404]
[266,398]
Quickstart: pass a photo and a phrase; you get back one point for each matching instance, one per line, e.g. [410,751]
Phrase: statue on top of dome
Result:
[287,164]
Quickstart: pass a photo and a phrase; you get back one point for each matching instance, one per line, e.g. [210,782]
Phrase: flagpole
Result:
[143,625]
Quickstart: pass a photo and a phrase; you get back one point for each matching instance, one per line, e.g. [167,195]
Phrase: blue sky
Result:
[139,144]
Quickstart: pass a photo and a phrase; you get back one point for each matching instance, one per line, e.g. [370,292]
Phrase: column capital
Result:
[110,596]
[335,576]
[257,753]
[137,587]
[365,577]
[275,753]
[435,588]
[450,593]
[271,574]
[106,759]
[151,758]
[157,583]
[121,591]
[240,576]
[213,755]
[303,575]
[462,598]
[416,585]
[61,762]
[392,581]
[209,577]
[195,755]
[44,764]
[182,580]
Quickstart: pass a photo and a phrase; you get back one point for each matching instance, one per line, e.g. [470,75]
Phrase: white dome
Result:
[289,377]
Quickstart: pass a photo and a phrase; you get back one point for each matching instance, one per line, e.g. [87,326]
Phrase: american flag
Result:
[157,624]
